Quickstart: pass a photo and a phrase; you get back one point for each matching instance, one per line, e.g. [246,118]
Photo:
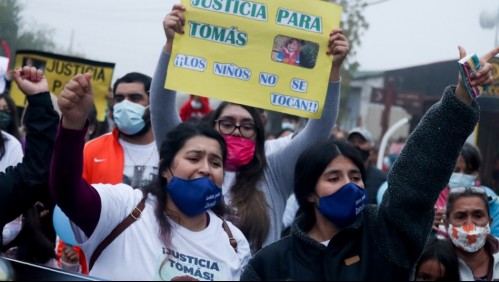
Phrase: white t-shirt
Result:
[141,163]
[137,253]
[13,151]
[290,211]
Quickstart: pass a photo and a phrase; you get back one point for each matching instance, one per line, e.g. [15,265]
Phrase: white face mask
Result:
[10,231]
[196,105]
[129,117]
[470,238]
[461,180]
[288,125]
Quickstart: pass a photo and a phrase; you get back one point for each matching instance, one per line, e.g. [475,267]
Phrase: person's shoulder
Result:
[11,144]
[117,190]
[121,194]
[98,141]
[276,250]
[490,192]
[376,171]
[8,136]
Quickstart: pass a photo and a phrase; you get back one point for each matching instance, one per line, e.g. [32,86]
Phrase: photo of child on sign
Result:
[294,51]
[290,52]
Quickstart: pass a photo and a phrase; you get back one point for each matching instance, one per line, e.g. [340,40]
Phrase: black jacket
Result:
[24,184]
[386,242]
[374,179]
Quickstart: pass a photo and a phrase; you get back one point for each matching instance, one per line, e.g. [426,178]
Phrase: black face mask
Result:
[364,154]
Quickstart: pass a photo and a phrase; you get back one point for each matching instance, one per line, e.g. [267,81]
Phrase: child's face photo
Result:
[294,46]
[294,51]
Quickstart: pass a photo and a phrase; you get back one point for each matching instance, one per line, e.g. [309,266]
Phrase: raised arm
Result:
[22,185]
[79,200]
[164,115]
[423,169]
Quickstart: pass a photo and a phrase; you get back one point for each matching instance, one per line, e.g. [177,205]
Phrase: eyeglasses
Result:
[227,127]
[458,190]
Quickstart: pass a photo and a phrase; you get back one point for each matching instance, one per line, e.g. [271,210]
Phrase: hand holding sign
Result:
[173,23]
[338,46]
[76,101]
[481,78]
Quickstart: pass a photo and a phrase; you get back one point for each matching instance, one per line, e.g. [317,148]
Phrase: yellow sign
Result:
[60,69]
[266,54]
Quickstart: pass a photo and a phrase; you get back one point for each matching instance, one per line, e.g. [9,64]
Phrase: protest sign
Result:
[60,69]
[266,54]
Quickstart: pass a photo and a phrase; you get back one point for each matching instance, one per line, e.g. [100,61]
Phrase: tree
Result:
[353,24]
[17,37]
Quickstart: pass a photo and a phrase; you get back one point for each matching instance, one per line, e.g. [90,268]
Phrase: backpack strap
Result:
[226,228]
[131,218]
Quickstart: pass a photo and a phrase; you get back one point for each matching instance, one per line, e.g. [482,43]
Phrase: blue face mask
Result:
[129,117]
[461,180]
[343,206]
[193,197]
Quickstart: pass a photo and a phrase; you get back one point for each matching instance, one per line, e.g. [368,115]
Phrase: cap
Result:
[362,132]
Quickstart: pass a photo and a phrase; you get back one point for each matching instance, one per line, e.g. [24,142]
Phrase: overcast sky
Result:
[402,33]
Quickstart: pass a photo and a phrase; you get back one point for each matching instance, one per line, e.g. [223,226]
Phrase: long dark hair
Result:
[13,128]
[443,252]
[472,157]
[310,166]
[254,220]
[174,142]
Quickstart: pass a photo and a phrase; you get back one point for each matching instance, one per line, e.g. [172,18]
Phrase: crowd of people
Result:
[207,194]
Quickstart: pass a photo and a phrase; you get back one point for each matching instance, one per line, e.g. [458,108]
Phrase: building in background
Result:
[377,100]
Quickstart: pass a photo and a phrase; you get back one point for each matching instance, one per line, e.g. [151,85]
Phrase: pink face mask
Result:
[240,152]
